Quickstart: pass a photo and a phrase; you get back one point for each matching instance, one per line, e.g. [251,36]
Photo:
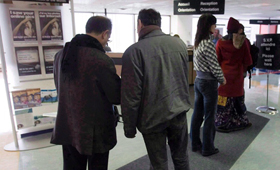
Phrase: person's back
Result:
[164,66]
[87,86]
[155,91]
[234,57]
[81,99]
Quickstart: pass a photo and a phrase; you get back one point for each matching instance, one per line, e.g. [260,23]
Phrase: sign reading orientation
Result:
[191,7]
[269,56]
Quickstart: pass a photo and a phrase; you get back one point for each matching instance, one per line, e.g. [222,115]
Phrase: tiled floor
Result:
[262,154]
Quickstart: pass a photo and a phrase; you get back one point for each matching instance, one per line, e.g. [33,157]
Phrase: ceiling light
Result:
[255,5]
[251,14]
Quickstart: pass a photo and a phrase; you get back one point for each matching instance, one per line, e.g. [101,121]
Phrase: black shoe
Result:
[208,153]
[197,148]
[249,125]
[223,130]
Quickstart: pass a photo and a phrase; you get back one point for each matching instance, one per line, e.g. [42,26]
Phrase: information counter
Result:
[117,58]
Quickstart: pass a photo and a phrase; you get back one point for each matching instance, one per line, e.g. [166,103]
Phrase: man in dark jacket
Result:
[87,86]
[155,92]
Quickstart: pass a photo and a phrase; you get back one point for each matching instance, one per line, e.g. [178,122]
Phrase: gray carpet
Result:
[231,146]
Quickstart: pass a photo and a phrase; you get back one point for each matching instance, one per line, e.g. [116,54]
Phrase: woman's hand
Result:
[224,82]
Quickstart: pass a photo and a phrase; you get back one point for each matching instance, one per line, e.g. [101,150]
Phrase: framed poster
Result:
[28,61]
[23,25]
[51,25]
[49,53]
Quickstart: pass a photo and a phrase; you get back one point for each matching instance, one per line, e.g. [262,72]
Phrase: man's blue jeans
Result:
[206,96]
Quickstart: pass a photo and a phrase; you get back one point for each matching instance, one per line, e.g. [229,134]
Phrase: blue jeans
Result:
[206,96]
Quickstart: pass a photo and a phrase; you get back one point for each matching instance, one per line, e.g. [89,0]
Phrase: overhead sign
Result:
[269,56]
[191,7]
[264,22]
[49,1]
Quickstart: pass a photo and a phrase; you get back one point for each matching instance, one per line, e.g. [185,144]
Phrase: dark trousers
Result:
[177,135]
[73,160]
[206,96]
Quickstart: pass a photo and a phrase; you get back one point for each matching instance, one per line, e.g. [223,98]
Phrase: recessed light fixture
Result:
[255,5]
[122,8]
[251,14]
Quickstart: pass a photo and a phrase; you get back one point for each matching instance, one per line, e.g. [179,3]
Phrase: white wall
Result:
[182,25]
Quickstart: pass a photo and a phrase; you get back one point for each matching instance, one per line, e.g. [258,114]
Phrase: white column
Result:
[4,70]
[73,17]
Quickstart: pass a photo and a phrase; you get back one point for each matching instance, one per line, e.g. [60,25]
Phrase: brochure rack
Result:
[27,59]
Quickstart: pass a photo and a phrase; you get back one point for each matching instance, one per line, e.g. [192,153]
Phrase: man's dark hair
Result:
[98,24]
[150,17]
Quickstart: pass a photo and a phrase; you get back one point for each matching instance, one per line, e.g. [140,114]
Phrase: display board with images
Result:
[28,61]
[25,66]
[23,25]
[51,25]
[37,37]
[49,54]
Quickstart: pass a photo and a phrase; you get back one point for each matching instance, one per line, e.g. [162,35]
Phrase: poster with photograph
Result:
[49,53]
[51,25]
[34,97]
[23,25]
[24,118]
[20,100]
[48,95]
[28,61]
